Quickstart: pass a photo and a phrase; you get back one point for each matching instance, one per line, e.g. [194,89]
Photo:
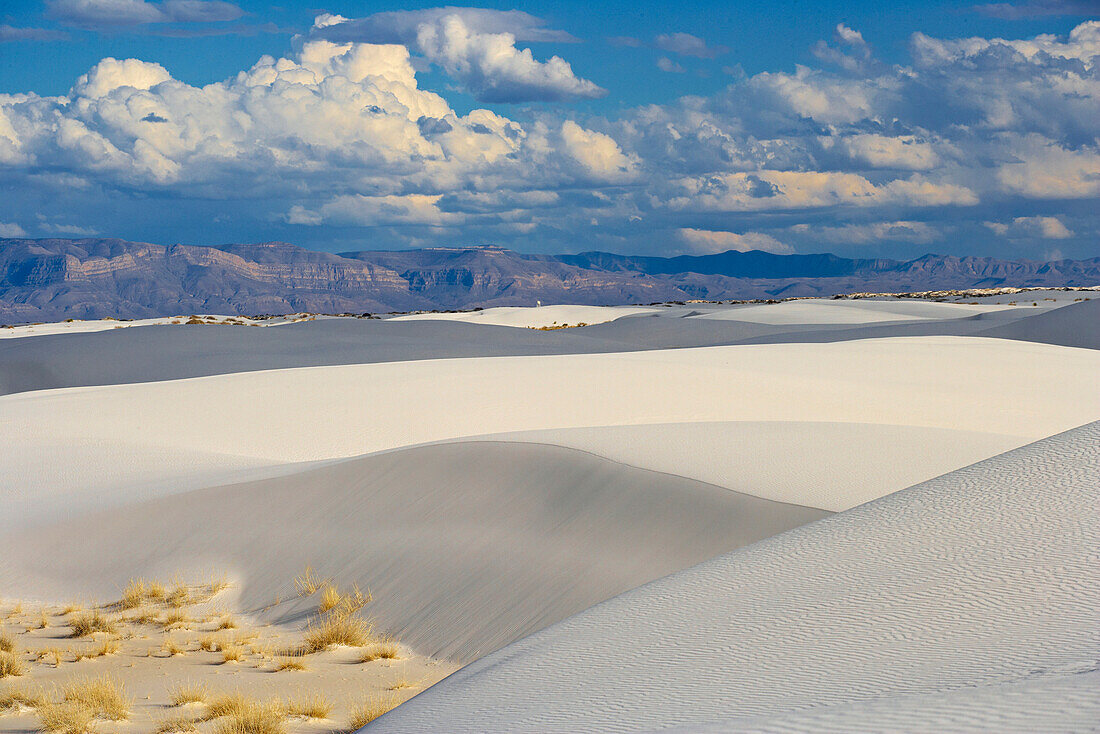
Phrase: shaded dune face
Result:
[967,602]
[466,547]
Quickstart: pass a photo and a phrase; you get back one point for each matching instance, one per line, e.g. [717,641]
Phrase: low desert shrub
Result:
[7,642]
[65,718]
[13,698]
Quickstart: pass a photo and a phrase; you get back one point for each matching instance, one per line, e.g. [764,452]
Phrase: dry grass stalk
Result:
[175,724]
[312,707]
[226,622]
[402,683]
[7,642]
[370,710]
[174,648]
[308,583]
[11,665]
[64,718]
[13,698]
[188,693]
[176,619]
[91,622]
[133,596]
[232,653]
[253,718]
[289,663]
[344,629]
[383,650]
[104,696]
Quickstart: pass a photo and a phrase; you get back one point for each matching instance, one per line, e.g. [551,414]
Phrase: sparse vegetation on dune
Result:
[7,643]
[253,718]
[309,707]
[369,710]
[340,629]
[64,718]
[11,665]
[188,693]
[13,698]
[88,623]
[381,650]
[104,696]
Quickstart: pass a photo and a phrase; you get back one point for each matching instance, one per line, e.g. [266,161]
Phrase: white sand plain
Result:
[818,311]
[534,318]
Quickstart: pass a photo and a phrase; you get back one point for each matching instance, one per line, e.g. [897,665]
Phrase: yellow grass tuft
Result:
[133,596]
[344,629]
[12,698]
[70,608]
[226,705]
[370,710]
[7,642]
[333,601]
[226,622]
[175,725]
[188,693]
[176,619]
[65,718]
[253,718]
[179,596]
[91,622]
[43,620]
[311,707]
[209,643]
[308,583]
[402,683]
[232,653]
[174,648]
[11,665]
[104,696]
[289,663]
[383,650]
[156,591]
[330,599]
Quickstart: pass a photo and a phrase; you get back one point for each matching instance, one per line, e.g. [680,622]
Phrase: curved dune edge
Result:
[972,594]
[821,312]
[465,546]
[540,317]
[1025,389]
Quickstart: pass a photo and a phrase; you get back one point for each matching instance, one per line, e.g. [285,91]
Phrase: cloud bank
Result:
[975,139]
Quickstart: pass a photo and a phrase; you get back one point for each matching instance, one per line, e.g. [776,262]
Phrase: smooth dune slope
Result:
[465,546]
[819,311]
[965,603]
[954,384]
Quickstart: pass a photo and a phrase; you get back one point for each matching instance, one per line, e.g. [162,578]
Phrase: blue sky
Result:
[865,129]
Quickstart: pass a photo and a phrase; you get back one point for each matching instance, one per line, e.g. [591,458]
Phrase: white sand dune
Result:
[833,466]
[465,546]
[818,311]
[535,318]
[1020,389]
[966,603]
[78,326]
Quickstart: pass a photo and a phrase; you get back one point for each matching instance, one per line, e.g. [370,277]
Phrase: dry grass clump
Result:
[342,629]
[103,696]
[383,650]
[225,705]
[133,596]
[176,619]
[43,620]
[64,718]
[11,665]
[171,647]
[289,663]
[308,583]
[333,601]
[312,707]
[174,724]
[188,693]
[156,591]
[370,710]
[13,698]
[179,595]
[253,718]
[7,642]
[232,653]
[225,622]
[402,683]
[209,643]
[109,646]
[91,622]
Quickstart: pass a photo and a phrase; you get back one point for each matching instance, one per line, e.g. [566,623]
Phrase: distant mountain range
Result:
[52,279]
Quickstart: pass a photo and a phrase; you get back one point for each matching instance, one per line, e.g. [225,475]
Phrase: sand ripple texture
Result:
[968,602]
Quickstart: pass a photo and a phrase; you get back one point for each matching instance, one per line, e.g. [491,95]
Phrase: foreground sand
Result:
[158,649]
[966,603]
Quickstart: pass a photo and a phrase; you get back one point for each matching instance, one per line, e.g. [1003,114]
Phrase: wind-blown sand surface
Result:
[465,546]
[966,602]
[817,311]
[1023,389]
